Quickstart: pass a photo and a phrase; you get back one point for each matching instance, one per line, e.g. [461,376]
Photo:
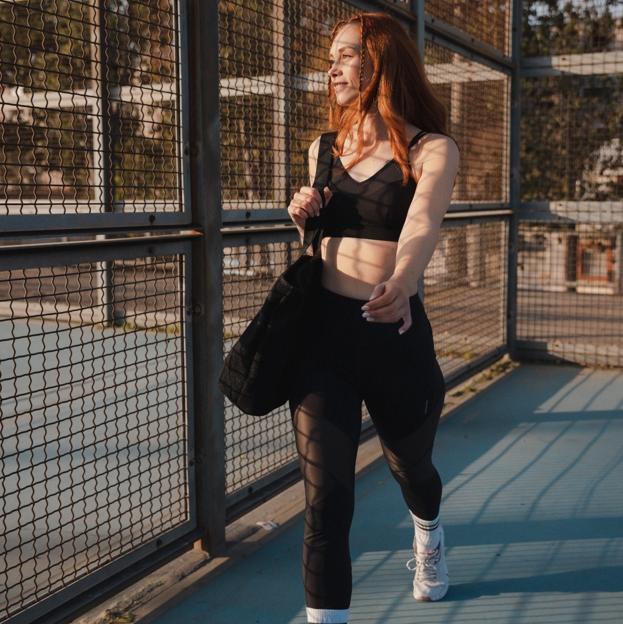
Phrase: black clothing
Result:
[373,208]
[401,382]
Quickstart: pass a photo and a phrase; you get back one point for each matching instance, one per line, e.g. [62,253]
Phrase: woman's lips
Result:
[339,85]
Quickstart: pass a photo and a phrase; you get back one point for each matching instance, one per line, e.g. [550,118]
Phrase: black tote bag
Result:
[257,372]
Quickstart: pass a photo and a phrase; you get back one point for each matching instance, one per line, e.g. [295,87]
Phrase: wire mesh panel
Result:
[466,289]
[273,77]
[570,283]
[90,111]
[94,451]
[465,281]
[253,446]
[96,438]
[570,294]
[489,22]
[477,99]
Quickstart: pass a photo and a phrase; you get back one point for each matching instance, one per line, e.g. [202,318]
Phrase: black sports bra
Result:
[373,208]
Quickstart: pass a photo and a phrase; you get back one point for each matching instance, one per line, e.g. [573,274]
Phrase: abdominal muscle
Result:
[354,266]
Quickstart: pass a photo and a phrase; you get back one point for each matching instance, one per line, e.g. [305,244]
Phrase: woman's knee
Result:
[410,468]
[328,515]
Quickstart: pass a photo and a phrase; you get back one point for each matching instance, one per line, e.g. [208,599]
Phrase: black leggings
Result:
[398,376]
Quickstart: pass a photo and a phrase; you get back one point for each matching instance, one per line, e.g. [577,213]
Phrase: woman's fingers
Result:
[302,207]
[387,314]
[384,305]
[389,307]
[304,204]
[307,202]
[311,197]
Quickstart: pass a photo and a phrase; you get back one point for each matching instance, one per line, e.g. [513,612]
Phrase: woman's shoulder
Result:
[435,144]
[434,140]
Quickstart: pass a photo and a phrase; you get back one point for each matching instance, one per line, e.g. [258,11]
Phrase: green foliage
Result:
[568,138]
[570,124]
[570,129]
[45,44]
[247,38]
[554,27]
[53,151]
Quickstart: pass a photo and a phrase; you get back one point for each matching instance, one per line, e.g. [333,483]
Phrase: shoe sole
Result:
[420,598]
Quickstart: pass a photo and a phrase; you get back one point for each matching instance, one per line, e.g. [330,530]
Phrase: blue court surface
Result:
[532,509]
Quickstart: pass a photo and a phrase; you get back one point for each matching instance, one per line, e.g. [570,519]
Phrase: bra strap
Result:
[415,139]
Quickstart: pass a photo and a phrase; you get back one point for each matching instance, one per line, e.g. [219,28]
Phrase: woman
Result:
[372,339]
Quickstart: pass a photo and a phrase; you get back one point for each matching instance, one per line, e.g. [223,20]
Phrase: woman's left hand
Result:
[389,303]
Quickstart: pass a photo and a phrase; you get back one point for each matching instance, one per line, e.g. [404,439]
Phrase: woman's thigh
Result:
[326,415]
[404,388]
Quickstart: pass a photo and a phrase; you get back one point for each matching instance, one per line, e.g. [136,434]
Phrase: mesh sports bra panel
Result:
[374,208]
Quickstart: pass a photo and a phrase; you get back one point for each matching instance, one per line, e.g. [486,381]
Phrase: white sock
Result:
[427,533]
[339,616]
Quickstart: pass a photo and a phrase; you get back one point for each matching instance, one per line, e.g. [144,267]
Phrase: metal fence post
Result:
[514,183]
[203,151]
[417,7]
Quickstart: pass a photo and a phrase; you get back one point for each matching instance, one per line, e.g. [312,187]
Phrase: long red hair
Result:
[398,84]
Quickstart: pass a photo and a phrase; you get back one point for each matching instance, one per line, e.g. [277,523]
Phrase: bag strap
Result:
[324,165]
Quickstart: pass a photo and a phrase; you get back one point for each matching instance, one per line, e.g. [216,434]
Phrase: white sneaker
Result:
[431,573]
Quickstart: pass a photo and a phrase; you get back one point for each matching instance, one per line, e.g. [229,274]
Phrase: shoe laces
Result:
[425,565]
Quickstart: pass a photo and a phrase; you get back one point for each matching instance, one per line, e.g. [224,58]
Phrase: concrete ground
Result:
[532,510]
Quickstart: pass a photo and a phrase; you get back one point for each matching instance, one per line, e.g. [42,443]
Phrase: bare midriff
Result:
[354,266]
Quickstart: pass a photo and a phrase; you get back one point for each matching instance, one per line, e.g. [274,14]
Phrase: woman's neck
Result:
[374,129]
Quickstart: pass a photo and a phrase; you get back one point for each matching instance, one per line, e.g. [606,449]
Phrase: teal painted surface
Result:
[532,510]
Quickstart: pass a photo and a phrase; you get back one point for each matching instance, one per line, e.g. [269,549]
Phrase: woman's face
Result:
[344,64]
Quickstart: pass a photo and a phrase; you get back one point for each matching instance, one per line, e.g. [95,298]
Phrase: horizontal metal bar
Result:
[33,257]
[478,214]
[27,224]
[241,237]
[235,236]
[279,215]
[255,214]
[602,212]
[584,64]
[451,37]
[278,229]
[477,206]
[77,240]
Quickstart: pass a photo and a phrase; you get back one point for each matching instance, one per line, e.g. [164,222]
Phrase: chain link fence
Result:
[570,282]
[94,330]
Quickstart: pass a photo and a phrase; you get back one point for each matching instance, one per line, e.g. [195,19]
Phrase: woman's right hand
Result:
[307,203]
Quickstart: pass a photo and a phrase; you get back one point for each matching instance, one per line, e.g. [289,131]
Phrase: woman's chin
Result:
[344,100]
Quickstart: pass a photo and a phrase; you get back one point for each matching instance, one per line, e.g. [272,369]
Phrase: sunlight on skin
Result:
[355,266]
